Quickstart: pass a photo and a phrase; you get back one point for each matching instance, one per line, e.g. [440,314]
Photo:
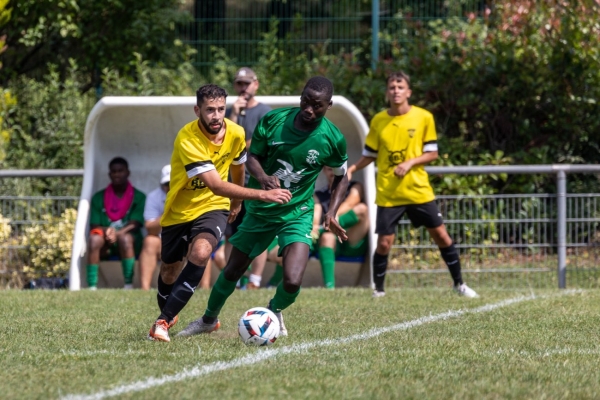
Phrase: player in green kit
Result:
[290,147]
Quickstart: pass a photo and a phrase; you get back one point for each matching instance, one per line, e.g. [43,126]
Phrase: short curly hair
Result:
[210,91]
[320,84]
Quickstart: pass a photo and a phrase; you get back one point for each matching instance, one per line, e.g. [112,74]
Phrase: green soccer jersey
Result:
[135,213]
[296,158]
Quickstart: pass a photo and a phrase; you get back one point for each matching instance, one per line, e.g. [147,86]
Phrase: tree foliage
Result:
[96,34]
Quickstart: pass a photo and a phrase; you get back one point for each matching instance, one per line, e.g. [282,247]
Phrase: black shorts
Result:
[177,238]
[426,214]
[232,228]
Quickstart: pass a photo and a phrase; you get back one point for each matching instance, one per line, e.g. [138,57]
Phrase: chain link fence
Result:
[308,26]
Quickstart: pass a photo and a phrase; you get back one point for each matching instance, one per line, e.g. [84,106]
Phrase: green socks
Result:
[327,259]
[218,295]
[282,299]
[348,220]
[128,264]
[92,275]
[277,276]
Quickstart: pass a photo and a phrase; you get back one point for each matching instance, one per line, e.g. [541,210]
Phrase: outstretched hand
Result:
[269,182]
[280,196]
[332,225]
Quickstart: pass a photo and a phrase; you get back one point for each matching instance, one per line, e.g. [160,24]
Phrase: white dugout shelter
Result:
[143,129]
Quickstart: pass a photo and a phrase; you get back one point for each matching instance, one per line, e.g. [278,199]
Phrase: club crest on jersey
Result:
[287,174]
[411,133]
[311,158]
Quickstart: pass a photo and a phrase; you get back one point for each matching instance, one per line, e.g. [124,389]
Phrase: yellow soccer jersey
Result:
[194,154]
[393,140]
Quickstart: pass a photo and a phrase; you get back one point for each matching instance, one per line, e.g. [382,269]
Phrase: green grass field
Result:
[413,343]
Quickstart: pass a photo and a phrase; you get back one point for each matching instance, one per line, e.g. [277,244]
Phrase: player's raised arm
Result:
[338,192]
[256,170]
[213,181]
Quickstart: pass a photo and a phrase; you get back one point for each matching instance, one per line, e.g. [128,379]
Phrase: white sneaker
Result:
[378,293]
[282,329]
[198,326]
[466,291]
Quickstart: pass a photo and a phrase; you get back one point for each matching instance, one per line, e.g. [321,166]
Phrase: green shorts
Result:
[255,234]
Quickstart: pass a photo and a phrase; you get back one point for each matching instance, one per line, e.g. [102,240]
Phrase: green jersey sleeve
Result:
[136,212]
[96,209]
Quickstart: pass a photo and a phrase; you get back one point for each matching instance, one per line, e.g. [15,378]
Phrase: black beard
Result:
[208,128]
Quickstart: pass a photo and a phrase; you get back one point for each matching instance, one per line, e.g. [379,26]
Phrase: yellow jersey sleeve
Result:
[372,140]
[195,157]
[430,138]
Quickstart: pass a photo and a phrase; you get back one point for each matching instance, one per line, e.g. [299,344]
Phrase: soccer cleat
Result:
[173,321]
[378,293]
[159,331]
[466,291]
[199,326]
[252,286]
[128,286]
[282,329]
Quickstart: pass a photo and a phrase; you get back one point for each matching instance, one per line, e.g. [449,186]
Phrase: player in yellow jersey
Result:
[401,141]
[198,204]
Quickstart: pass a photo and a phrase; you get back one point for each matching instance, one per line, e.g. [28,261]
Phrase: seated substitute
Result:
[353,216]
[116,216]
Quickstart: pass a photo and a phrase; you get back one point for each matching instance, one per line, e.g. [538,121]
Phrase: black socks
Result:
[182,291]
[380,263]
[450,256]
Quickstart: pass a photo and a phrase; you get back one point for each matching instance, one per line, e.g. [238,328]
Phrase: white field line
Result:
[264,354]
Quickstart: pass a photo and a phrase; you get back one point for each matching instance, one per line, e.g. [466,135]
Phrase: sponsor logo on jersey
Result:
[311,158]
[287,174]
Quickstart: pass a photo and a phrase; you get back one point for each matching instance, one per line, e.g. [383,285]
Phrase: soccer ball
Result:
[258,326]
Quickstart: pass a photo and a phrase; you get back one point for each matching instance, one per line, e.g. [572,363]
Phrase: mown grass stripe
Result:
[264,354]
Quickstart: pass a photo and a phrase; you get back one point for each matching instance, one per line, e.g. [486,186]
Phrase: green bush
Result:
[47,246]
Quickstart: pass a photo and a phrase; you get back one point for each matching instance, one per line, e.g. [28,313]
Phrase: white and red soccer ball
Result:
[258,326]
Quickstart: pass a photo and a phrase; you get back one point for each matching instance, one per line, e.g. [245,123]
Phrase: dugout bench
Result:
[142,130]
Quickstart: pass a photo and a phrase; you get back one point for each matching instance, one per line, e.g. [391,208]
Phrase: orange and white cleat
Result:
[173,321]
[160,331]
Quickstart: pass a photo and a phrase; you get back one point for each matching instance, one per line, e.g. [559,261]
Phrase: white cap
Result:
[165,174]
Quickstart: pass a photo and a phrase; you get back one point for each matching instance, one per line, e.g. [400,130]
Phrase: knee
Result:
[384,246]
[95,243]
[170,272]
[151,244]
[200,252]
[361,210]
[125,241]
[327,239]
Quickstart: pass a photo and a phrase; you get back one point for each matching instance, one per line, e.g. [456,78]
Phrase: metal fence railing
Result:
[511,240]
[505,241]
[330,26]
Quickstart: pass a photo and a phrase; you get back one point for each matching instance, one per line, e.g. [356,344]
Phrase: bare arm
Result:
[213,181]
[256,170]
[237,177]
[338,191]
[360,164]
[403,168]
